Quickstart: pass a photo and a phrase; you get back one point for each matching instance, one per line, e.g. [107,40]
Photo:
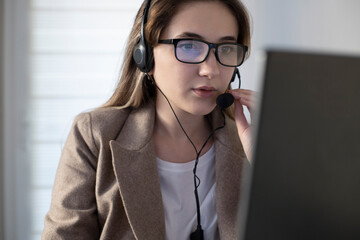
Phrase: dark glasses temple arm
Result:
[168,41]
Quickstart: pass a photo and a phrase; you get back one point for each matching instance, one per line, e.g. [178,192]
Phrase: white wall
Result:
[309,25]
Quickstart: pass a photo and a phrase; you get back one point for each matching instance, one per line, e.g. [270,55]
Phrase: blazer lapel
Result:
[137,175]
[229,157]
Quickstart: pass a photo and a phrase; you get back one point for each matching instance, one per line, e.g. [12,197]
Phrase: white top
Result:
[177,188]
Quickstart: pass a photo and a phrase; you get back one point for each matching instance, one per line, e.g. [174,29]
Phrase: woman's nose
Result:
[210,67]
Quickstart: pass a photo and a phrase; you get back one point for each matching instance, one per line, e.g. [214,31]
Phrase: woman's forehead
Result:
[210,20]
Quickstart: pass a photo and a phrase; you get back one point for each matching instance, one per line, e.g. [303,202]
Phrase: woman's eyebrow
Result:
[228,38]
[189,35]
[197,36]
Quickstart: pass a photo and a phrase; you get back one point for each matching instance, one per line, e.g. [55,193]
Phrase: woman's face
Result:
[193,88]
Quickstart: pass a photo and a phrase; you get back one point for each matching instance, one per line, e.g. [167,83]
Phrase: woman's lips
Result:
[204,91]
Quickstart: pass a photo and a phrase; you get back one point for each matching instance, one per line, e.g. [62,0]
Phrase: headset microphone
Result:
[225,100]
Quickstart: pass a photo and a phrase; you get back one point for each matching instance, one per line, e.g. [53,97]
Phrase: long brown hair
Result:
[133,89]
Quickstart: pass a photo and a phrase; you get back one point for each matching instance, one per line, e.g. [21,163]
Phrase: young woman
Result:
[129,169]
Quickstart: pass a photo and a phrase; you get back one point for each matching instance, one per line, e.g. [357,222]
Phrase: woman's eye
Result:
[227,49]
[187,46]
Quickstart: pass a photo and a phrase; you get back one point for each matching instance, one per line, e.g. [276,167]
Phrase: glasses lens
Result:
[191,51]
[230,54]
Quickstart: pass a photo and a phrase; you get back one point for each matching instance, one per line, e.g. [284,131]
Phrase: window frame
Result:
[2,236]
[15,92]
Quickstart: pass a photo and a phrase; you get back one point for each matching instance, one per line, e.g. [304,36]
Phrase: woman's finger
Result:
[247,96]
[244,129]
[238,93]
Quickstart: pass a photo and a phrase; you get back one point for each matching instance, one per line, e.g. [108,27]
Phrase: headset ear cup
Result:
[143,56]
[139,55]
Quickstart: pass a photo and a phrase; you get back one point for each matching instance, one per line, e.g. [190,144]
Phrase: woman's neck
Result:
[167,123]
[171,142]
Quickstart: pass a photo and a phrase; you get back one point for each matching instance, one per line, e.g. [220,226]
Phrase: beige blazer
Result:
[107,184]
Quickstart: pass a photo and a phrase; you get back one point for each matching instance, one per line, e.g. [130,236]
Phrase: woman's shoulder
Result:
[105,116]
[107,122]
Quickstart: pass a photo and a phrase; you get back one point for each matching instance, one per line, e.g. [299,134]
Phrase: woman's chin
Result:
[202,110]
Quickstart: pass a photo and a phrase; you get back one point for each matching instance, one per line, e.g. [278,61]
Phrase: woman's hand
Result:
[247,98]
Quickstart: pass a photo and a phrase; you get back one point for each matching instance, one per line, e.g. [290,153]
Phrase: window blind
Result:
[76,51]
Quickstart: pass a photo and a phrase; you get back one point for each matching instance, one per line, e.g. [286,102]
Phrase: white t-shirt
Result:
[177,188]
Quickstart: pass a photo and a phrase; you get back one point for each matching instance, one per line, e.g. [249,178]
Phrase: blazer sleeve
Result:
[73,210]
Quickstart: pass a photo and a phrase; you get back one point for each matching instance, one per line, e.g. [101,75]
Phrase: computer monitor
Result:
[304,182]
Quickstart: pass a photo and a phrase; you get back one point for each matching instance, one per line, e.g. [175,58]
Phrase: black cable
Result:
[198,234]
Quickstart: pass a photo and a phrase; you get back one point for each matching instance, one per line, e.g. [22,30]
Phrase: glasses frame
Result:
[211,46]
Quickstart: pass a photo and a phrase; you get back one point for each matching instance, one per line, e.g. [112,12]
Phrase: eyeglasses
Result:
[195,51]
